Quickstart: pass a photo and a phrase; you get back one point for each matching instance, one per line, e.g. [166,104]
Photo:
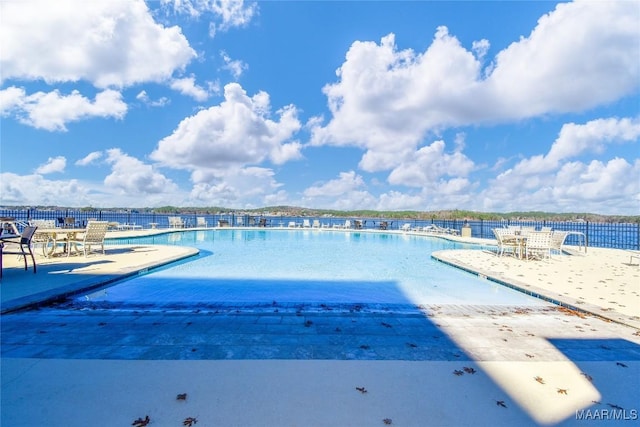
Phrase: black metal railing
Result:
[598,234]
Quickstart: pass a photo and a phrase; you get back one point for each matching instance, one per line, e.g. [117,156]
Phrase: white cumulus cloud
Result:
[108,43]
[89,158]
[53,164]
[187,86]
[131,176]
[386,100]
[52,111]
[235,133]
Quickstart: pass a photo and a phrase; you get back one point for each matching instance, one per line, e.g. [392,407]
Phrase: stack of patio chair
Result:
[176,222]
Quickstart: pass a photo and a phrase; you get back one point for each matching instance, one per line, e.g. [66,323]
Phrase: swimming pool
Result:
[254,267]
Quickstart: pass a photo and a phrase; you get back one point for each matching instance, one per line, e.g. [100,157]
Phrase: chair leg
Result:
[24,257]
[33,260]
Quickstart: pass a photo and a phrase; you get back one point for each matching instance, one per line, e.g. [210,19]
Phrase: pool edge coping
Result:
[537,292]
[96,281]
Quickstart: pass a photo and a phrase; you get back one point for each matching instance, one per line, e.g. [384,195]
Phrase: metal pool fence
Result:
[598,234]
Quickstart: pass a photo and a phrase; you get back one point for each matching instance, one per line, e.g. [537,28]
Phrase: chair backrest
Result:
[499,232]
[27,234]
[558,238]
[524,231]
[95,231]
[201,221]
[538,240]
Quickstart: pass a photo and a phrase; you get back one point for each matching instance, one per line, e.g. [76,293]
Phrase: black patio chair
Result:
[20,245]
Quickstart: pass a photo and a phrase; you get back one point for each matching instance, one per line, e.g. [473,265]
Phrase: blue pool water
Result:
[308,266]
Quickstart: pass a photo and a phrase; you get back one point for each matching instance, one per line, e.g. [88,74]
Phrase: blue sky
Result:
[486,106]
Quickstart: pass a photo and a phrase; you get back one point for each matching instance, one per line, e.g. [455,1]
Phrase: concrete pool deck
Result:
[513,367]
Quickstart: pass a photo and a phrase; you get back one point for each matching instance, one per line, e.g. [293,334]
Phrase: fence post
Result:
[586,231]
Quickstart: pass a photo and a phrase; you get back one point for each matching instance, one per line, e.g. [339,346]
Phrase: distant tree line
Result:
[408,214]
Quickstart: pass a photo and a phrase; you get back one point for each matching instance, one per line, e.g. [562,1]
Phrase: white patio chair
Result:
[507,241]
[93,235]
[538,245]
[557,240]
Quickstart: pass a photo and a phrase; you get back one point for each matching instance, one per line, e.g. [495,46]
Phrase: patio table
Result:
[52,237]
[521,242]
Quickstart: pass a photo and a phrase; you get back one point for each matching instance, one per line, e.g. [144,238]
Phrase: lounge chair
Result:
[316,223]
[19,245]
[93,235]
[201,222]
[306,223]
[405,227]
[432,228]
[632,255]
